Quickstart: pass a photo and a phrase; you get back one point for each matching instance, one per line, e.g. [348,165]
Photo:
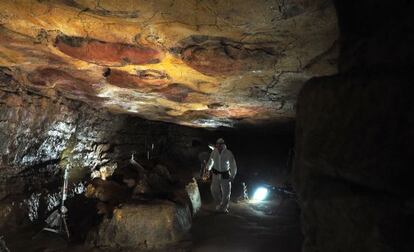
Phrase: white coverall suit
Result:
[223,162]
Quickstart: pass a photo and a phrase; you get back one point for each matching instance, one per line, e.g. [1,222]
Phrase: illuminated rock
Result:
[145,225]
[170,60]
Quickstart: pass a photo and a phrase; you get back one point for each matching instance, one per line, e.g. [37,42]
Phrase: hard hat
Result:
[220,141]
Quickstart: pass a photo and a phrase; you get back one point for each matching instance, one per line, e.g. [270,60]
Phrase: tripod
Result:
[56,222]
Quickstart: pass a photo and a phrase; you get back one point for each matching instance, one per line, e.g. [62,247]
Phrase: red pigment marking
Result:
[211,61]
[125,80]
[111,54]
[175,92]
[60,79]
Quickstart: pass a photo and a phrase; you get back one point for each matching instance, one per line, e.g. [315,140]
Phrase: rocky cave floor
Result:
[268,226]
[265,227]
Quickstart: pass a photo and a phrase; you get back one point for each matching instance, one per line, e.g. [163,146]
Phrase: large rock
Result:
[355,133]
[146,225]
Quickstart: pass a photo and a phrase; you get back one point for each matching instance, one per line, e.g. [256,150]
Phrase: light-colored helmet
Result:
[220,141]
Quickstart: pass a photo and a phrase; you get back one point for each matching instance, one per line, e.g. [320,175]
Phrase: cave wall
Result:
[355,133]
[40,134]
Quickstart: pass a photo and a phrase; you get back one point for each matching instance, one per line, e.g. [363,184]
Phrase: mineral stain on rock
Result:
[105,53]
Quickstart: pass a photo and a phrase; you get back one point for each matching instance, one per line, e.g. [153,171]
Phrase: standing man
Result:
[224,169]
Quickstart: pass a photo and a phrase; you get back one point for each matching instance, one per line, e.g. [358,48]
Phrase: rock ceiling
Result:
[204,63]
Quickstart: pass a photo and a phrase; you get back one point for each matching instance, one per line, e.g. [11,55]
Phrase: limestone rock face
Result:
[145,225]
[199,63]
[39,133]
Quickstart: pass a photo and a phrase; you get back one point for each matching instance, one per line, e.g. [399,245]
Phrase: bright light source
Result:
[260,194]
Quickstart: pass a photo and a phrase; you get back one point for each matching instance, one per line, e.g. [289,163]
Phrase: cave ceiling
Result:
[199,63]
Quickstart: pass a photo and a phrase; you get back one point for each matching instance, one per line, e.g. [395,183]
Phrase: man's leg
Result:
[215,189]
[226,192]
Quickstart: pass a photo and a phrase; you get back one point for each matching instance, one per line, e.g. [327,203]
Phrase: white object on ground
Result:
[260,194]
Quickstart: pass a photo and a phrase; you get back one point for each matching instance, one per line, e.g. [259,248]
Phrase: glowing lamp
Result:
[260,194]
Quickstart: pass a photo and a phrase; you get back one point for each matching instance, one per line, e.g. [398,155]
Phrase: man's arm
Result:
[206,170]
[233,166]
[210,162]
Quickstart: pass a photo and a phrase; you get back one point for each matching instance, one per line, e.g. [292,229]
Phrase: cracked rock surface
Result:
[198,63]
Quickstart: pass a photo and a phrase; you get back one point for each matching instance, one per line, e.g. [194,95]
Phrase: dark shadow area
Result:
[263,155]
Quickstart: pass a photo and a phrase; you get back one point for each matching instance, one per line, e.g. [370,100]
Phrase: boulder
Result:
[153,224]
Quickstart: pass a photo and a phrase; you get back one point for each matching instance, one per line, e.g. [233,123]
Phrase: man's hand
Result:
[206,175]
